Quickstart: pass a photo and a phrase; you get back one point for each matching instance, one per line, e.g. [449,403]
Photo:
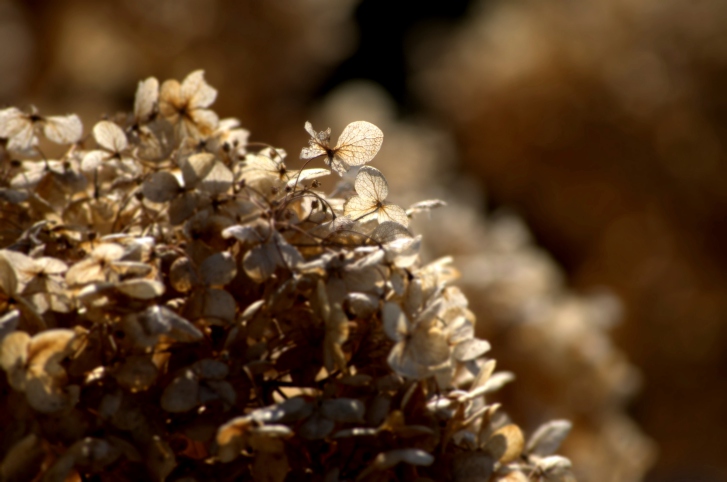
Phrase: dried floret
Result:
[20,129]
[185,106]
[421,345]
[203,177]
[370,200]
[359,142]
[112,140]
[97,267]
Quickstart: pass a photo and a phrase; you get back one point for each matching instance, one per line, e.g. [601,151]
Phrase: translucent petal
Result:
[358,143]
[147,95]
[312,152]
[389,231]
[12,121]
[392,212]
[110,136]
[196,91]
[205,120]
[63,129]
[308,126]
[24,139]
[371,184]
[360,209]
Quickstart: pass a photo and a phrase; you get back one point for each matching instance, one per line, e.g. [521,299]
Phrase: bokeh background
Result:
[581,147]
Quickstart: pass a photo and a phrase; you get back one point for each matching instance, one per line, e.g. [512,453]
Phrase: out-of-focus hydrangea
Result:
[177,305]
[605,125]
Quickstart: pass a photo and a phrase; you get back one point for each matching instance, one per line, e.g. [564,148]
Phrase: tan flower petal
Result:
[110,136]
[63,129]
[147,96]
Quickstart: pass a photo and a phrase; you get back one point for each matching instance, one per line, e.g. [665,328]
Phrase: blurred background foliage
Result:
[601,123]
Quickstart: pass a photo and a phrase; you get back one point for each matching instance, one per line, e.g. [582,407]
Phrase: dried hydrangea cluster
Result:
[176,304]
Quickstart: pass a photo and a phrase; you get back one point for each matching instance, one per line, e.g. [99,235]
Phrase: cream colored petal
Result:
[358,143]
[170,99]
[147,95]
[371,184]
[12,121]
[308,127]
[196,91]
[392,212]
[63,129]
[360,209]
[94,160]
[83,272]
[205,120]
[110,136]
[24,139]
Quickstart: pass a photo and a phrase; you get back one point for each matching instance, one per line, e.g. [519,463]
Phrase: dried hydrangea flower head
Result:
[194,310]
